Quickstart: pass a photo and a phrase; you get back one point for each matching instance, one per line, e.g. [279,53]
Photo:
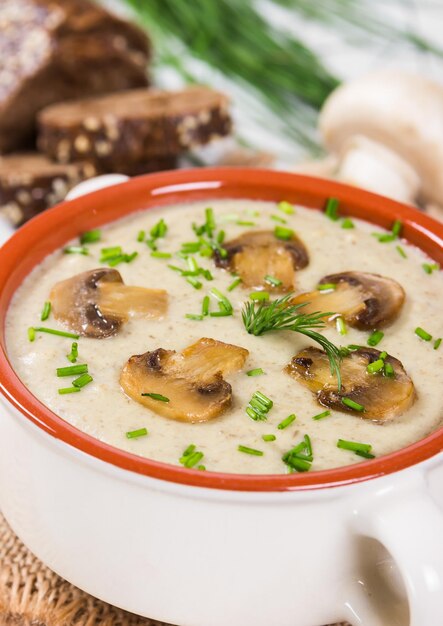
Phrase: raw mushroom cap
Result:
[256,254]
[365,301]
[384,398]
[97,303]
[192,380]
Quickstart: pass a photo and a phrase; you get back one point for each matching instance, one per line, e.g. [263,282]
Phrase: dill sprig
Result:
[260,317]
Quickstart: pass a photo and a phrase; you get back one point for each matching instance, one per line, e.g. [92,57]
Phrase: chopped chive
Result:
[189,450]
[430,267]
[202,468]
[194,282]
[193,459]
[159,230]
[206,273]
[76,250]
[355,406]
[229,217]
[252,451]
[388,370]
[220,314]
[90,236]
[279,219]
[437,343]
[156,396]
[259,295]
[401,252]
[258,407]
[109,253]
[113,261]
[210,220]
[141,236]
[134,434]
[192,264]
[287,422]
[52,331]
[271,280]
[420,332]
[384,237]
[383,355]
[82,380]
[267,401]
[64,390]
[234,284]
[347,223]
[286,207]
[205,305]
[221,298]
[354,446]
[161,255]
[31,333]
[268,437]
[191,246]
[320,416]
[151,244]
[365,455]
[331,209]
[130,257]
[341,325]
[72,356]
[308,444]
[46,311]
[375,338]
[255,372]
[221,236]
[297,464]
[194,316]
[375,367]
[397,228]
[245,223]
[72,370]
[283,233]
[326,287]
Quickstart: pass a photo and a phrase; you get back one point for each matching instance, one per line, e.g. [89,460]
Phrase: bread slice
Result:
[132,126]
[54,50]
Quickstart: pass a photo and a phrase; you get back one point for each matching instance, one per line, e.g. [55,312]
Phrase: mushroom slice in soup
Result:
[97,303]
[257,254]
[365,301]
[187,386]
[369,394]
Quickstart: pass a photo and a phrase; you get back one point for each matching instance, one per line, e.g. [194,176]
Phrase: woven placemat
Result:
[32,595]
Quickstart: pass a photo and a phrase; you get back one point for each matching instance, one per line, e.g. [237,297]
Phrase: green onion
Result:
[221,236]
[255,372]
[326,287]
[388,370]
[271,280]
[286,207]
[205,305]
[52,331]
[109,253]
[46,311]
[189,450]
[287,422]
[297,464]
[268,437]
[210,220]
[130,257]
[375,367]
[31,333]
[193,459]
[259,406]
[331,209]
[222,299]
[437,343]
[354,446]
[234,284]
[72,370]
[245,223]
[194,282]
[341,325]
[383,355]
[375,338]
[134,434]
[384,237]
[194,316]
[397,228]
[420,332]
[279,219]
[401,252]
[72,356]
[151,244]
[300,457]
[320,416]
[64,390]
[283,233]
[430,267]
[159,230]
[220,314]
[141,235]
[202,468]
[365,455]
[259,295]
[82,380]
[347,223]
[161,255]
[156,396]
[355,406]
[190,247]
[252,451]
[76,250]
[91,236]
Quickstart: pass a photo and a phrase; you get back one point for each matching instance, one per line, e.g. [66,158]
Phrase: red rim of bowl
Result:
[53,228]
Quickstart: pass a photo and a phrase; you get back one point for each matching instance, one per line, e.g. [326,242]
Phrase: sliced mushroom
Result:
[383,397]
[365,301]
[191,382]
[97,303]
[257,254]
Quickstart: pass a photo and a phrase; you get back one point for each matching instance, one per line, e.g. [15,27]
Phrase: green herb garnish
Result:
[287,421]
[286,207]
[341,325]
[141,236]
[194,282]
[205,305]
[430,267]
[134,434]
[255,372]
[252,451]
[423,334]
[320,416]
[401,252]
[331,209]
[437,343]
[31,333]
[355,406]
[223,300]
[326,287]
[194,316]
[259,295]
[268,437]
[91,236]
[271,280]
[347,223]
[375,338]
[82,380]
[376,366]
[46,311]
[72,356]
[300,457]
[52,331]
[160,255]
[234,284]
[259,407]
[354,446]
[72,370]
[76,250]
[156,396]
[281,232]
[65,390]
[280,220]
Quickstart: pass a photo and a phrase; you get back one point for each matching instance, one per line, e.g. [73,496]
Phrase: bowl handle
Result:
[407,522]
[94,184]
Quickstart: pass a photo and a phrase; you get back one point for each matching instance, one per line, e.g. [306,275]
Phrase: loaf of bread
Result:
[133,126]
[54,50]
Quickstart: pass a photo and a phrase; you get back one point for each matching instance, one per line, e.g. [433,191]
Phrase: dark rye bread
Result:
[54,50]
[133,126]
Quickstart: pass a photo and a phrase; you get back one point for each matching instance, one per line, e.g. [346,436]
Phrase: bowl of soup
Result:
[221,395]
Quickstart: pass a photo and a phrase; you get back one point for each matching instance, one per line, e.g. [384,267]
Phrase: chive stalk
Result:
[251,451]
[286,207]
[91,236]
[423,334]
[355,406]
[46,311]
[255,372]
[287,421]
[156,396]
[375,338]
[65,390]
[72,370]
[53,331]
[321,416]
[135,434]
[281,232]
[331,209]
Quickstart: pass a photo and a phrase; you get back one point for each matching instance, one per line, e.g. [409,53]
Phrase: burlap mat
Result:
[32,595]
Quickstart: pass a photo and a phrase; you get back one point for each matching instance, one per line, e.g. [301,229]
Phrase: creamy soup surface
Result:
[102,409]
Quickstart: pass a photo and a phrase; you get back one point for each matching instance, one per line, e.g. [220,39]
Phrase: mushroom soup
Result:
[247,337]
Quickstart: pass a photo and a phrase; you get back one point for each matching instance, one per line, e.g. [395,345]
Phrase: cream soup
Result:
[103,410]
